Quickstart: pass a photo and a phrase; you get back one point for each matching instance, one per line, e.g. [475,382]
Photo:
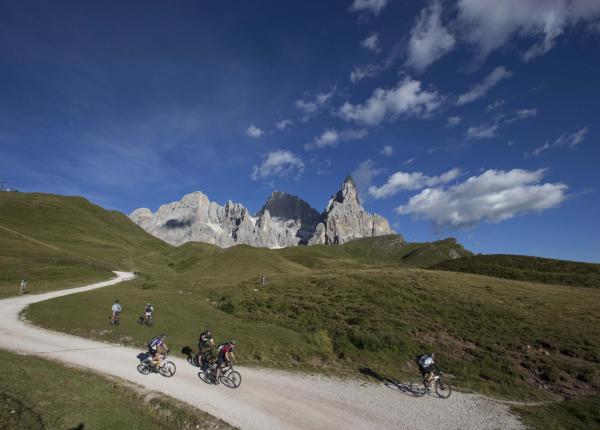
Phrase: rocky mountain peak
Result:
[284,220]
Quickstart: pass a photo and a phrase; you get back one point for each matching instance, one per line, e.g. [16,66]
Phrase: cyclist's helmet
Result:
[208,332]
[147,304]
[232,342]
[163,336]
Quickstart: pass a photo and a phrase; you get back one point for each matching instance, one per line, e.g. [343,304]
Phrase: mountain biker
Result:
[148,310]
[116,310]
[205,344]
[426,364]
[157,348]
[226,356]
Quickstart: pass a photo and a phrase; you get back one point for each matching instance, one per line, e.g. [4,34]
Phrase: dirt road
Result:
[266,399]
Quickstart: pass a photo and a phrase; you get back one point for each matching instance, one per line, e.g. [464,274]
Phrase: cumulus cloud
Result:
[406,99]
[494,196]
[254,132]
[482,132]
[387,150]
[411,181]
[371,42]
[310,107]
[331,137]
[283,124]
[374,6]
[565,140]
[490,24]
[429,38]
[280,163]
[453,121]
[479,90]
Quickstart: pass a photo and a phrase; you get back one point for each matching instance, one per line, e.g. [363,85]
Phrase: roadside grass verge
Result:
[573,414]
[37,394]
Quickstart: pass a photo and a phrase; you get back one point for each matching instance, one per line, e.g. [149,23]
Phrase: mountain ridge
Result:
[284,220]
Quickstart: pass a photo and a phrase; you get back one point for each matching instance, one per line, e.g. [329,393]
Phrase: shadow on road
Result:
[409,389]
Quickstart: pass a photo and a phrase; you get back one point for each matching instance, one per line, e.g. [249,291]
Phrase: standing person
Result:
[148,311]
[205,344]
[116,311]
[23,287]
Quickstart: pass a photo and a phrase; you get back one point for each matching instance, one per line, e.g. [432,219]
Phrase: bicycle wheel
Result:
[167,370]
[232,379]
[143,369]
[443,389]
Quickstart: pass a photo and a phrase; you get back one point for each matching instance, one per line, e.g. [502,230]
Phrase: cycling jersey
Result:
[116,308]
[149,310]
[155,342]
[204,340]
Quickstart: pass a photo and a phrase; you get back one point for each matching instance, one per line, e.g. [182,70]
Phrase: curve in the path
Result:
[266,399]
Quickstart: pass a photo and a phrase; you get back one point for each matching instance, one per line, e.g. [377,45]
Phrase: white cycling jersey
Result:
[116,308]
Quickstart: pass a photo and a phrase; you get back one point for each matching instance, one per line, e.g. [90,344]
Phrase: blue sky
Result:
[466,118]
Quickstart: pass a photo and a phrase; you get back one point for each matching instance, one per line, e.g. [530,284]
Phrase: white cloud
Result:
[254,132]
[283,124]
[374,6]
[363,177]
[520,114]
[429,39]
[495,105]
[409,161]
[569,140]
[411,181]
[491,24]
[482,132]
[280,163]
[310,107]
[454,121]
[371,42]
[387,150]
[479,90]
[363,71]
[493,196]
[331,137]
[407,99]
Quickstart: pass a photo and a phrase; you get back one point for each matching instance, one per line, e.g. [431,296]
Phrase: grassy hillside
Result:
[524,268]
[56,242]
[375,251]
[37,394]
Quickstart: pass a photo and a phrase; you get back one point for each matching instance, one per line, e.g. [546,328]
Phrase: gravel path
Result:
[266,399]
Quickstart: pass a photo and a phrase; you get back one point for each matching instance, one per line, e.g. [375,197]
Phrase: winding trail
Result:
[266,399]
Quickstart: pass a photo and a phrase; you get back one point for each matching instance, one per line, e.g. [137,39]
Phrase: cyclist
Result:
[116,311]
[157,348]
[226,357]
[205,344]
[426,364]
[148,310]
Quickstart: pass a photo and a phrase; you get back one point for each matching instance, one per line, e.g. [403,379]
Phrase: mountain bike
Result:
[208,359]
[228,377]
[115,319]
[441,387]
[146,320]
[165,368]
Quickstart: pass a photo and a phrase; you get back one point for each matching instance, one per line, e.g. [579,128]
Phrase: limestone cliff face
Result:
[345,219]
[283,221]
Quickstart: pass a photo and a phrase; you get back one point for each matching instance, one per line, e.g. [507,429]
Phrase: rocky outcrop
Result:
[345,219]
[283,221]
